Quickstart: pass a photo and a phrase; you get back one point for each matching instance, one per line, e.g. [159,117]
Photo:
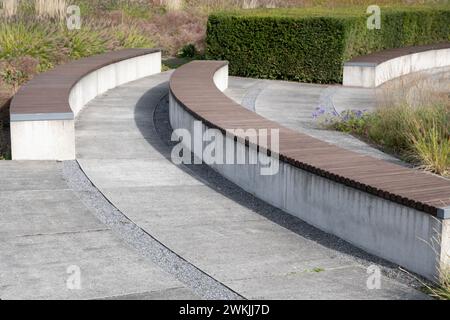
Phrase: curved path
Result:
[245,245]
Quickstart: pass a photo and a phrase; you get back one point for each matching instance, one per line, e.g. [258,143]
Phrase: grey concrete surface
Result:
[45,228]
[249,246]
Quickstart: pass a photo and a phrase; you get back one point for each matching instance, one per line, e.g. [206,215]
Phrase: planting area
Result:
[412,122]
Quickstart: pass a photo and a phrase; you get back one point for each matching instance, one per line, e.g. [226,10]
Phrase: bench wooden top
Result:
[379,57]
[48,92]
[193,87]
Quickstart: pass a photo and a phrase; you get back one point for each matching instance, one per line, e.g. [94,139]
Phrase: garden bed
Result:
[411,124]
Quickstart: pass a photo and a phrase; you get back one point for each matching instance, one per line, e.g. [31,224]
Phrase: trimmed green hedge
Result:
[311,45]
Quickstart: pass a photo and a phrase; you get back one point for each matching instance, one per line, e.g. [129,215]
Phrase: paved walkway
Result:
[247,246]
[45,229]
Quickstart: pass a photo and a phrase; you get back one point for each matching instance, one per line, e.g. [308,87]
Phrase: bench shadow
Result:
[162,130]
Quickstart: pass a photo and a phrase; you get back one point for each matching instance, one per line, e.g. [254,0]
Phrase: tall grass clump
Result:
[9,8]
[415,131]
[442,292]
[420,134]
[21,38]
[130,36]
[173,4]
[430,139]
[51,8]
[84,43]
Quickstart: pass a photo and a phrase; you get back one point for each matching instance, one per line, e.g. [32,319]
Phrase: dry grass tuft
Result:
[51,8]
[9,8]
[411,122]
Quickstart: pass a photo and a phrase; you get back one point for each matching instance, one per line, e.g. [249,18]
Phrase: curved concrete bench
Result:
[374,69]
[386,209]
[43,110]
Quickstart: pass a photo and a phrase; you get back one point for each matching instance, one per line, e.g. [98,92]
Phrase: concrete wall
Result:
[52,136]
[389,230]
[371,75]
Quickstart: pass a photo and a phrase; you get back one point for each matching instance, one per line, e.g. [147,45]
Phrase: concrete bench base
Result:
[372,74]
[403,235]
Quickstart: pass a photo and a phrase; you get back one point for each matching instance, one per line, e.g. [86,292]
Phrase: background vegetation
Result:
[34,36]
[311,45]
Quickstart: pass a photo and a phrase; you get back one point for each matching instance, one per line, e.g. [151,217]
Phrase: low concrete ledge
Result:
[367,216]
[43,111]
[372,70]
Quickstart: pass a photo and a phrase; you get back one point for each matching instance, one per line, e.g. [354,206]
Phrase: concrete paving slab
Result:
[176,207]
[129,173]
[45,229]
[24,213]
[246,249]
[348,283]
[36,267]
[30,175]
[103,147]
[122,129]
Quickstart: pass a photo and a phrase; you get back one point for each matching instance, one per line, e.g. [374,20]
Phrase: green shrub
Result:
[130,37]
[311,45]
[84,42]
[16,71]
[19,39]
[188,51]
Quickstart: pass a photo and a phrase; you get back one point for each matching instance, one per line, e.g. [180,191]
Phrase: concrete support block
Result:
[43,140]
[359,76]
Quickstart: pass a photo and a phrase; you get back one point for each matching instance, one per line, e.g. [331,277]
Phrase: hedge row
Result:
[311,46]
